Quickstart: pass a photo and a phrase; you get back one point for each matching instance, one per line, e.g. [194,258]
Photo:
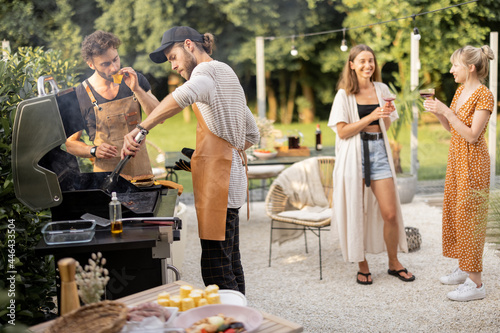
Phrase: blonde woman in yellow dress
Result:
[467,171]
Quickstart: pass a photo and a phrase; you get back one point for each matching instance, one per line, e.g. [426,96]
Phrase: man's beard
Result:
[104,76]
[190,64]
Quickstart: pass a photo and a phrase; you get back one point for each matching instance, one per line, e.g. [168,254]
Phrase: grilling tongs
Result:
[111,179]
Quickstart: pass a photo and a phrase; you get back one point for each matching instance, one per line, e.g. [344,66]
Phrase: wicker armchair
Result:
[277,202]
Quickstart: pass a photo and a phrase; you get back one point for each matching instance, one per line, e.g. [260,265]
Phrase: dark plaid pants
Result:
[221,260]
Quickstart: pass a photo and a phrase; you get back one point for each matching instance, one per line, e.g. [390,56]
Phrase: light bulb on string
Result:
[293,51]
[343,46]
[416,33]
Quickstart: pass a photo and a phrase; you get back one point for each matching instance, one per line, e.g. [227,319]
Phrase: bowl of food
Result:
[265,154]
[218,318]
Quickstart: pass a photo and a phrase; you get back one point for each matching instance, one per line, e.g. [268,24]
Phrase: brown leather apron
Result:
[113,121]
[211,169]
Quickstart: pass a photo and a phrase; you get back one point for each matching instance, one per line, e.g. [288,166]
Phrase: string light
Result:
[294,51]
[416,33]
[371,24]
[343,47]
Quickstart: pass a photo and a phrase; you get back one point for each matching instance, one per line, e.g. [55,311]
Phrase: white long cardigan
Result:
[359,222]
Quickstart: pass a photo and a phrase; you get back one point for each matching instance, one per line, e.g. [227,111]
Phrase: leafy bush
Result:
[35,283]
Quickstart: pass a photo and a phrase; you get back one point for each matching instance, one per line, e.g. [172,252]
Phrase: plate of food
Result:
[265,154]
[192,298]
[149,317]
[219,318]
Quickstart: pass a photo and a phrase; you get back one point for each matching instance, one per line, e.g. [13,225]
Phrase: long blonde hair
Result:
[478,56]
[348,80]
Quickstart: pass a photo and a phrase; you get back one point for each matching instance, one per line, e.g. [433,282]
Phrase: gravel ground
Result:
[291,288]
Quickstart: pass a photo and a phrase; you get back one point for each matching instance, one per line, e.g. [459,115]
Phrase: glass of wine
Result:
[427,93]
[388,97]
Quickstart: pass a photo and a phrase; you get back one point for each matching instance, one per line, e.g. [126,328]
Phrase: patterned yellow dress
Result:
[468,171]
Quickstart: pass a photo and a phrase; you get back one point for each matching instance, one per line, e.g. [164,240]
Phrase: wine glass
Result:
[427,93]
[388,97]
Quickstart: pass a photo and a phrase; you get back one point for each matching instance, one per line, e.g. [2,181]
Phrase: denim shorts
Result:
[379,162]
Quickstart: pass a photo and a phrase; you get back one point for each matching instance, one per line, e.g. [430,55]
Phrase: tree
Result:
[45,23]
[442,33]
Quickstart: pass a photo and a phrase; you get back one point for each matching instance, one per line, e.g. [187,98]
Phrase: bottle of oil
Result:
[115,214]
[319,146]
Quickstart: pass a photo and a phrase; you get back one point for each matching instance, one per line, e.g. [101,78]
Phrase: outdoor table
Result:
[270,324]
[173,156]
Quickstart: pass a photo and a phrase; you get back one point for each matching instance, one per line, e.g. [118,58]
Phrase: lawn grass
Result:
[433,143]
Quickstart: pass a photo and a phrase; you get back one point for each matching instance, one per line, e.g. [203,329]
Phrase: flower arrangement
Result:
[266,129]
[92,279]
[265,126]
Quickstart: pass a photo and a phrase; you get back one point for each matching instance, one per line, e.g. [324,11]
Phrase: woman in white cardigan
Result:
[366,200]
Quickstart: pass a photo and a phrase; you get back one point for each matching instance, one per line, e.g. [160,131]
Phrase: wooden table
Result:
[271,323]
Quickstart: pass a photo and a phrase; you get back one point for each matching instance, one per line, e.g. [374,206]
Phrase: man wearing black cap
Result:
[226,128]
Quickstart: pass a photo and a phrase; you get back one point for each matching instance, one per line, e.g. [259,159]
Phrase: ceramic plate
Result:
[250,317]
[232,297]
[265,156]
[137,326]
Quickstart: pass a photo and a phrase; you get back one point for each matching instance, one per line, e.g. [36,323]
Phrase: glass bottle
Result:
[115,214]
[319,146]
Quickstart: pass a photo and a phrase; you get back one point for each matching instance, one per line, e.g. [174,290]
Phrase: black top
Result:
[365,109]
[87,109]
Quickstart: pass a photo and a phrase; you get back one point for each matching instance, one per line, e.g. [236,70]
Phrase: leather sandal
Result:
[367,275]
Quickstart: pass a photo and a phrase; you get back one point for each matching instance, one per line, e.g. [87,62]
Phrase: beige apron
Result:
[211,169]
[113,121]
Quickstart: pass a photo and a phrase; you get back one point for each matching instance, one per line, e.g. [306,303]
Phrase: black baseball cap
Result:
[171,36]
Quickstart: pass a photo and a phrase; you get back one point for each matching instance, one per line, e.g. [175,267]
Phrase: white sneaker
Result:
[467,292]
[456,277]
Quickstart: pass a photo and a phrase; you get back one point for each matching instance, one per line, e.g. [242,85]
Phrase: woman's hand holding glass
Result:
[389,107]
[435,106]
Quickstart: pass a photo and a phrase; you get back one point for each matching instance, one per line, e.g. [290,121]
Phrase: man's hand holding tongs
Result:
[132,141]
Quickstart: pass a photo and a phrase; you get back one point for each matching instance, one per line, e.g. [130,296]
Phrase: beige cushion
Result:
[308,213]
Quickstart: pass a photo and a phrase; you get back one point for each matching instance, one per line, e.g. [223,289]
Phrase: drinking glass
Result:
[427,93]
[117,78]
[294,139]
[388,97]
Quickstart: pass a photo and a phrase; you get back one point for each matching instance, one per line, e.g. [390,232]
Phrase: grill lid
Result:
[40,126]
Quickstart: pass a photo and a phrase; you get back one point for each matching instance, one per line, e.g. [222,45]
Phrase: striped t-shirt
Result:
[218,94]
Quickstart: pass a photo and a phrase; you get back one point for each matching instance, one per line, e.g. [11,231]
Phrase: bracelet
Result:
[142,128]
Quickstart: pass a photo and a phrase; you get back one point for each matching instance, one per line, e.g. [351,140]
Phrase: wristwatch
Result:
[93,151]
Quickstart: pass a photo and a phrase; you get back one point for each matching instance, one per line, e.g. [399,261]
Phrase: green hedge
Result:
[34,286]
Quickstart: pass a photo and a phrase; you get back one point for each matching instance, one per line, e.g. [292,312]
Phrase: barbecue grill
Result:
[45,176]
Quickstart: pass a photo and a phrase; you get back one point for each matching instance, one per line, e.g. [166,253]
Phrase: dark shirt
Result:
[365,109]
[87,109]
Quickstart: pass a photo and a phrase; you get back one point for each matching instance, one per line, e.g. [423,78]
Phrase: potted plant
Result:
[406,182]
